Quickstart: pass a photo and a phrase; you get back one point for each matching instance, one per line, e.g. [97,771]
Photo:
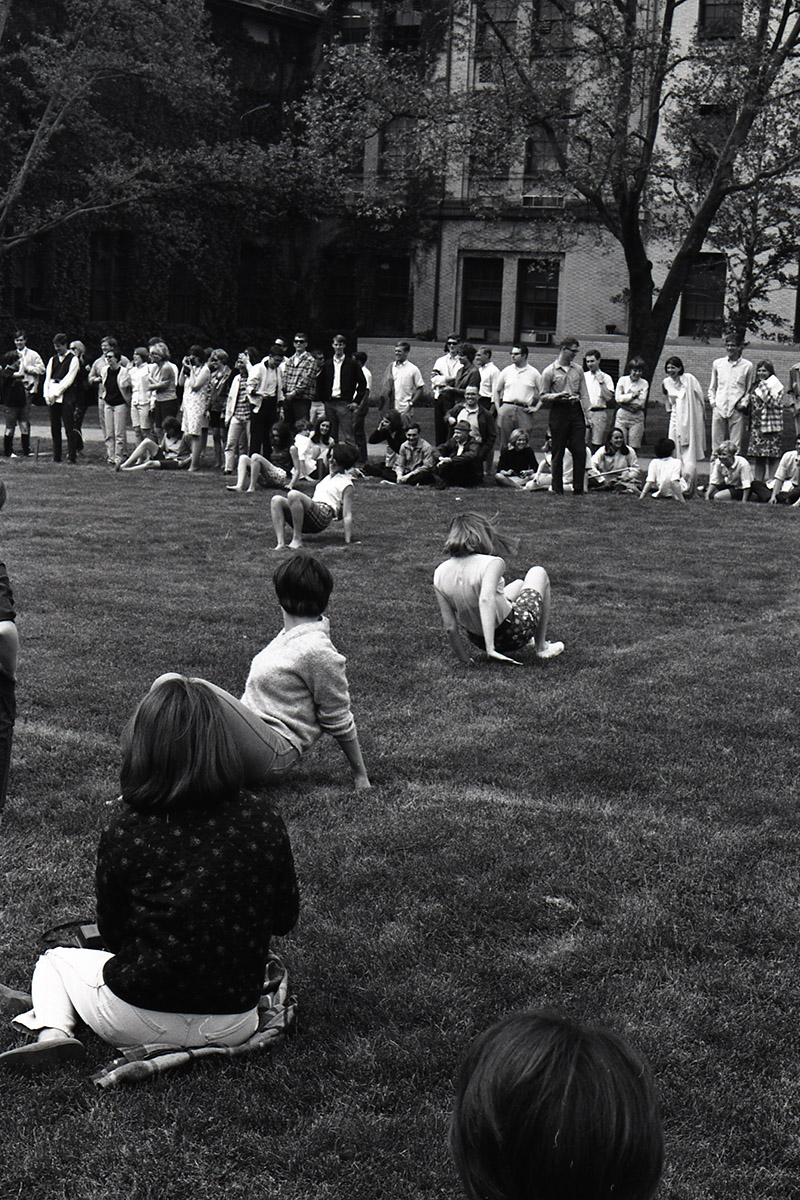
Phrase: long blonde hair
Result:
[473,533]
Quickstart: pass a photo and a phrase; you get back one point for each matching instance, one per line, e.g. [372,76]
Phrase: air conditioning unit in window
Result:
[537,200]
[542,337]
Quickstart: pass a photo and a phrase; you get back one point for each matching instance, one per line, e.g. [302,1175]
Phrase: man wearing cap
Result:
[480,421]
[457,461]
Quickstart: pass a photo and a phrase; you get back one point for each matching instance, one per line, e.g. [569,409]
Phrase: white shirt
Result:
[788,472]
[737,475]
[489,376]
[336,386]
[444,369]
[663,472]
[32,367]
[730,383]
[407,378]
[595,380]
[518,385]
[331,490]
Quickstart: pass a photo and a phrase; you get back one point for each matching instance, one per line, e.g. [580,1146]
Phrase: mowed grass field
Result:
[613,833]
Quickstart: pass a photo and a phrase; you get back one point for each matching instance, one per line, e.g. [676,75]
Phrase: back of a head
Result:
[549,1109]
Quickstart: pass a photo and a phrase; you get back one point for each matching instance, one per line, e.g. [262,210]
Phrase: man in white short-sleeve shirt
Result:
[402,384]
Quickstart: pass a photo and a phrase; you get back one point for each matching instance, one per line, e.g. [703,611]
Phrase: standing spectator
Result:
[631,397]
[443,377]
[360,414]
[793,390]
[600,387]
[97,375]
[340,387]
[220,382]
[59,379]
[467,376]
[237,414]
[195,378]
[766,421]
[402,384]
[163,385]
[298,377]
[117,386]
[17,405]
[489,373]
[266,393]
[728,394]
[82,390]
[564,388]
[683,400]
[139,372]
[517,395]
[31,364]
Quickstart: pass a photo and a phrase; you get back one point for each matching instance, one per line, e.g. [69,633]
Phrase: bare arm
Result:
[451,628]
[351,747]
[487,606]
[9,648]
[347,515]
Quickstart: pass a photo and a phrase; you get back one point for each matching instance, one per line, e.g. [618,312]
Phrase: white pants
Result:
[114,419]
[238,440]
[68,985]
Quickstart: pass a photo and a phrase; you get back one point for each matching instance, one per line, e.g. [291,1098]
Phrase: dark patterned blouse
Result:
[188,902]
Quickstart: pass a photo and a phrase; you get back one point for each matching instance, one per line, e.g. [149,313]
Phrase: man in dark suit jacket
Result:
[340,387]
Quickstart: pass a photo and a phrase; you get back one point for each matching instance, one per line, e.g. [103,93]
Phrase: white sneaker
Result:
[550,650]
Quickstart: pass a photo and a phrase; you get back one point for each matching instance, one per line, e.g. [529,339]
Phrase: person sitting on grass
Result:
[542,481]
[391,430]
[664,480]
[193,879]
[731,477]
[332,500]
[296,688]
[415,459]
[786,484]
[272,472]
[310,451]
[548,1108]
[172,453]
[517,465]
[497,617]
[615,467]
[458,461]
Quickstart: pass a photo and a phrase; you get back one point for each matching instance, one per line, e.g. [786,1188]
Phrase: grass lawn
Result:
[613,833]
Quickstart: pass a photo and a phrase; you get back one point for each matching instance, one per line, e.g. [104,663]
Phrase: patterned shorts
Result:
[520,625]
[317,518]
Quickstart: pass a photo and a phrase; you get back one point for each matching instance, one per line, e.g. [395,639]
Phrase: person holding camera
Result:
[192,881]
[195,379]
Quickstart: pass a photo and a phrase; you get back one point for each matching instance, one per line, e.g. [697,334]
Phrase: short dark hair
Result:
[110,341]
[637,362]
[664,447]
[303,585]
[276,351]
[178,752]
[546,1106]
[674,361]
[468,351]
[360,357]
[344,456]
[569,343]
[283,432]
[199,352]
[60,339]
[171,425]
[20,333]
[593,354]
[521,348]
[251,353]
[405,345]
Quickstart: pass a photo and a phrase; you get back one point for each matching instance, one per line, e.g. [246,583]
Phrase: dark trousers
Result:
[260,424]
[340,416]
[63,413]
[568,431]
[460,472]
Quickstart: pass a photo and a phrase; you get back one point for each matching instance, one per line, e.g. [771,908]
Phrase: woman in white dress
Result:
[685,403]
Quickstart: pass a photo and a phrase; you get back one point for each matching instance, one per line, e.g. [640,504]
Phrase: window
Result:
[481,299]
[403,31]
[24,289]
[342,282]
[254,280]
[703,299]
[719,19]
[540,158]
[397,149]
[550,27]
[391,302]
[109,271]
[497,22]
[356,22]
[537,298]
[183,299]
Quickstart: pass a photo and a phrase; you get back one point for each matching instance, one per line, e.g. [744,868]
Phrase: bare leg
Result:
[280,514]
[298,503]
[197,450]
[242,467]
[255,470]
[140,456]
[509,481]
